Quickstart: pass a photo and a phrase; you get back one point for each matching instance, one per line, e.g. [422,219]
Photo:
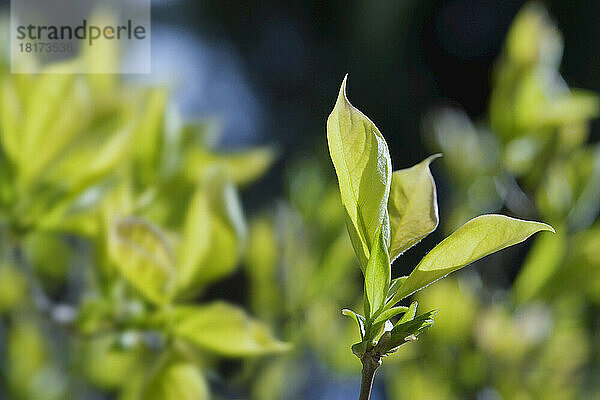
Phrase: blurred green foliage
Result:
[115,217]
[302,271]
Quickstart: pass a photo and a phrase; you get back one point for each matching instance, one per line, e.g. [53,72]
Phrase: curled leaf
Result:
[359,319]
[412,206]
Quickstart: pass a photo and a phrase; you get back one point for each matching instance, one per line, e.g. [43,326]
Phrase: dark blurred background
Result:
[402,57]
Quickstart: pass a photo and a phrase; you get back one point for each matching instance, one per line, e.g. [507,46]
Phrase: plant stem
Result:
[370,361]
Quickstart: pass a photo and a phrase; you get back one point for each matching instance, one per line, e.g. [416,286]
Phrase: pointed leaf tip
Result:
[364,170]
[474,240]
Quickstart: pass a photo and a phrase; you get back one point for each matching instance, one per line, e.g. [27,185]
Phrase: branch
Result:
[370,361]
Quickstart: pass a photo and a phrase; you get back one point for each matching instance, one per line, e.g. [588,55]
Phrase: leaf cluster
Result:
[386,214]
[89,162]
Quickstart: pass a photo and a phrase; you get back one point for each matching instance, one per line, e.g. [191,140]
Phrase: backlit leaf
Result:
[223,329]
[394,286]
[412,206]
[404,332]
[477,238]
[410,314]
[377,277]
[143,257]
[47,130]
[362,162]
[388,314]
[241,167]
[359,319]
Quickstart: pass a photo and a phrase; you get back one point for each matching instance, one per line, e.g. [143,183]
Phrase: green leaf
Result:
[92,156]
[175,380]
[13,287]
[412,206]
[389,314]
[405,332]
[226,238]
[196,235]
[47,130]
[359,319]
[107,365]
[241,167]
[476,239]
[362,162]
[223,329]
[414,326]
[394,286]
[11,116]
[410,314]
[144,258]
[261,262]
[229,229]
[178,381]
[575,107]
[377,277]
[149,135]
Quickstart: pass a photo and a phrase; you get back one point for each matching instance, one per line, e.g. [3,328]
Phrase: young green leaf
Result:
[408,331]
[388,314]
[405,332]
[362,162]
[410,314]
[144,258]
[412,206]
[377,277]
[476,239]
[359,319]
[394,286]
[415,325]
[223,329]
